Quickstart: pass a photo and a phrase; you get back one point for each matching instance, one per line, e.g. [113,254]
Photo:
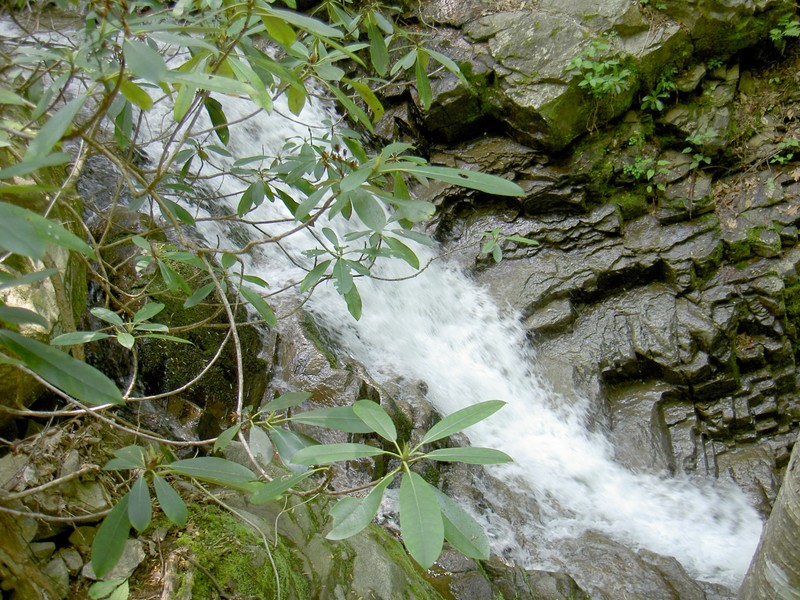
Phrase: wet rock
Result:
[608,570]
[638,429]
[553,317]
[753,468]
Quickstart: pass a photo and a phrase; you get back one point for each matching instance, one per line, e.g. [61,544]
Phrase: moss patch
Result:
[237,559]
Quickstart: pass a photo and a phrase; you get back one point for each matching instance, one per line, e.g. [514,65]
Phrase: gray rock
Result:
[58,573]
[132,557]
[638,429]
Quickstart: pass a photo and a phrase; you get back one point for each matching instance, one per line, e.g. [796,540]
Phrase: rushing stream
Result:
[443,329]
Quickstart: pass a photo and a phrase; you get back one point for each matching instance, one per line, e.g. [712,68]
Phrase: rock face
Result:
[664,284]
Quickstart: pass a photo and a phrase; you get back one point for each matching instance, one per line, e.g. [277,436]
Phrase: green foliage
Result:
[102,84]
[666,85]
[695,149]
[427,517]
[788,27]
[645,169]
[786,151]
[495,240]
[600,74]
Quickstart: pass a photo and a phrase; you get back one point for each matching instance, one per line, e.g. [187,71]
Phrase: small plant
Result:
[663,90]
[785,151]
[600,76]
[494,243]
[645,169]
[714,63]
[428,517]
[696,142]
[788,27]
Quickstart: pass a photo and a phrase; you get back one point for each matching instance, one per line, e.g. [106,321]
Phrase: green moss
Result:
[630,204]
[237,559]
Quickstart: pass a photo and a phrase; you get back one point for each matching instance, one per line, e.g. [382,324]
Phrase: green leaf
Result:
[7,281]
[279,30]
[421,522]
[351,515]
[144,62]
[140,505]
[277,487]
[158,327]
[342,277]
[199,295]
[284,401]
[341,418]
[20,316]
[127,457]
[368,96]
[109,542]
[126,339]
[400,250]
[288,443]
[476,180]
[313,276]
[9,97]
[355,178]
[169,338]
[216,470]
[72,376]
[462,530]
[218,119]
[461,419]
[423,85]
[260,444]
[29,165]
[50,133]
[173,281]
[78,337]
[252,196]
[135,94]
[447,63]
[351,108]
[103,589]
[108,316]
[226,437]
[255,299]
[25,232]
[327,454]
[353,300]
[303,22]
[148,311]
[376,418]
[377,49]
[522,240]
[169,208]
[171,502]
[296,98]
[471,455]
[368,209]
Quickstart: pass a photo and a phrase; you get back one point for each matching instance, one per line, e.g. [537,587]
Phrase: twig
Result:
[4,497]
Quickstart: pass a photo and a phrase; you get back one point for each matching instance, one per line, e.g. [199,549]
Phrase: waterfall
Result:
[440,327]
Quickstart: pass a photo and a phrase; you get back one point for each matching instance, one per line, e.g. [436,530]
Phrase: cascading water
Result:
[441,328]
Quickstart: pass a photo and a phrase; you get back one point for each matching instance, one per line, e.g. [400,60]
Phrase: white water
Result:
[441,328]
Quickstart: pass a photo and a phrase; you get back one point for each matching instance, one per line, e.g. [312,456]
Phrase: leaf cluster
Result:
[600,74]
[427,516]
[129,64]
